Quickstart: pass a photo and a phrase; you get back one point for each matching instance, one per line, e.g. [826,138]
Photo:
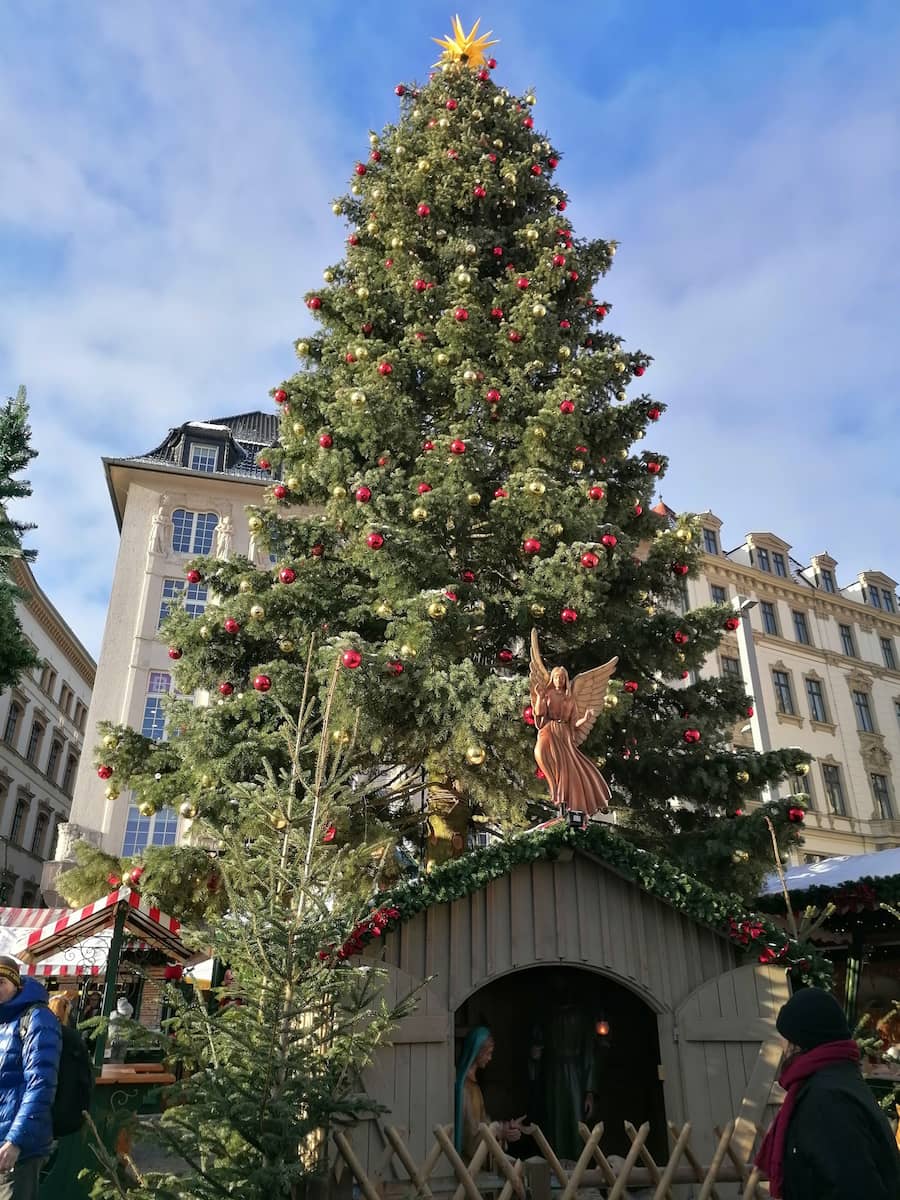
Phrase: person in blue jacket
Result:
[30,1043]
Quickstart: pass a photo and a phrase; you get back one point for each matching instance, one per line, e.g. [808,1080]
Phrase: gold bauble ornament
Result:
[443,123]
[399,150]
[146,809]
[683,535]
[338,492]
[537,488]
[475,755]
[298,429]
[377,193]
[537,610]
[441,359]
[303,349]
[440,234]
[611,701]
[680,657]
[621,395]
[204,632]
[471,248]
[111,793]
[423,165]
[383,610]
[564,352]
[474,498]
[498,142]
[188,810]
[357,397]
[623,454]
[371,227]
[206,781]
[801,769]
[396,243]
[650,610]
[577,464]
[255,524]
[257,612]
[292,483]
[420,514]
[477,114]
[531,235]
[600,761]
[740,856]
[373,138]
[538,431]
[356,189]
[362,353]
[575,372]
[529,99]
[470,376]
[362,292]
[110,741]
[336,209]
[328,276]
[539,310]
[463,277]
[341,737]
[407,651]
[556,530]
[286,646]
[612,250]
[743,777]
[498,101]
[437,611]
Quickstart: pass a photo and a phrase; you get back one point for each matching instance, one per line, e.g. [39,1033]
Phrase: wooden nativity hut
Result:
[683,1017]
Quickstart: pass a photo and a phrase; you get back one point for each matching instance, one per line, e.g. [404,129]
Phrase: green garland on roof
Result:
[748,930]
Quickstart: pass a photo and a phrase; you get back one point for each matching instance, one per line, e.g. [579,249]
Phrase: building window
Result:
[40,830]
[784,698]
[882,795]
[29,895]
[154,723]
[192,533]
[780,564]
[826,578]
[848,645]
[69,774]
[194,598]
[888,599]
[874,596]
[769,619]
[816,697]
[887,653]
[762,560]
[864,721]
[204,457]
[34,741]
[834,789]
[710,541]
[65,699]
[731,668]
[80,715]
[48,679]
[165,826]
[20,816]
[897,710]
[137,833]
[801,629]
[53,759]
[719,594]
[13,717]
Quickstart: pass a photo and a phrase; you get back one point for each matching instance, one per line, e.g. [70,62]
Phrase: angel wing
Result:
[589,691]
[538,675]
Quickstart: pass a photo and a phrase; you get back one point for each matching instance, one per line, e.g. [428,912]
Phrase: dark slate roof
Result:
[241,436]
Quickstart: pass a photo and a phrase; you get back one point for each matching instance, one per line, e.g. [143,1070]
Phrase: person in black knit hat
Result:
[830,1140]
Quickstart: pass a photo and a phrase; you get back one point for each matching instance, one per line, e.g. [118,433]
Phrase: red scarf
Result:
[796,1071]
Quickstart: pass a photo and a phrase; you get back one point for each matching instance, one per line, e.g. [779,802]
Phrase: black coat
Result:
[839,1143]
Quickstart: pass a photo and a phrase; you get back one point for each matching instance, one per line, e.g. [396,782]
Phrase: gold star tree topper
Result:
[467,49]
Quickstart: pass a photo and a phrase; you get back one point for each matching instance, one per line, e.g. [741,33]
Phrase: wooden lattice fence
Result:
[493,1175]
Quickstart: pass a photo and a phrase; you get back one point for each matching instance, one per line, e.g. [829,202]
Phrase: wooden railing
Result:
[491,1174]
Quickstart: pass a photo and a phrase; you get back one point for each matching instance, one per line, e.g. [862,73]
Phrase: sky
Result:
[166,179]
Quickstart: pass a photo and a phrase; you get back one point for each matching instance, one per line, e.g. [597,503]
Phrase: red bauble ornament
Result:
[539,774]
[685,674]
[596,492]
[262,683]
[590,560]
[505,656]
[654,468]
[679,568]
[360,168]
[609,540]
[523,283]
[363,494]
[515,336]
[280,396]
[691,736]
[264,464]
[423,210]
[564,325]
[384,460]
[374,541]
[367,328]
[225,688]
[537,169]
[796,815]
[175,652]
[420,285]
[491,62]
[583,450]
[501,494]
[639,370]
[731,623]
[314,302]
[528,714]
[452,105]
[134,875]
[104,772]
[193,576]
[492,395]
[531,546]
[528,122]
[279,491]
[479,192]
[353,239]
[457,446]
[467,576]
[351,659]
[601,311]
[318,550]
[654,413]
[399,90]
[680,638]
[326,441]
[568,616]
[388,262]
[630,686]
[552,162]
[230,625]
[497,314]
[461,314]
[750,710]
[114,881]
[422,488]
[427,447]
[384,368]
[566,406]
[287,574]
[451,596]
[395,666]
[375,156]
[498,252]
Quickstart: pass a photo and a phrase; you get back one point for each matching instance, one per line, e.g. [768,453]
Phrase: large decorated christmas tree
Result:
[464,456]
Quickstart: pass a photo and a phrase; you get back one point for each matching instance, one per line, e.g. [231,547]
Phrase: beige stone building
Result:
[42,726]
[822,661]
[185,497]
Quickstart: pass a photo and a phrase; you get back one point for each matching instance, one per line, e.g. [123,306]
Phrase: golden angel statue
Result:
[564,713]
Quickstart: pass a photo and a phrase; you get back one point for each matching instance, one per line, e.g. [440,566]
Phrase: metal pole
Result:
[112,976]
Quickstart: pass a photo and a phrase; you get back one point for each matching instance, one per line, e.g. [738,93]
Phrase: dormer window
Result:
[762,560]
[780,564]
[889,604]
[826,580]
[710,541]
[203,456]
[874,596]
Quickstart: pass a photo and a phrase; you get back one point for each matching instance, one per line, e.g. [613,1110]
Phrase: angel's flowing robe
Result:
[574,781]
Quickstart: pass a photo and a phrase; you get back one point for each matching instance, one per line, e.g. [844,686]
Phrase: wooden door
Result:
[729,1051]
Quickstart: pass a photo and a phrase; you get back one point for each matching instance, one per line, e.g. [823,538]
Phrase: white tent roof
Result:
[835,872]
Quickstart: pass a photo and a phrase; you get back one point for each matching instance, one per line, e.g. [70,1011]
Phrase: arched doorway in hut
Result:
[561,1032]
